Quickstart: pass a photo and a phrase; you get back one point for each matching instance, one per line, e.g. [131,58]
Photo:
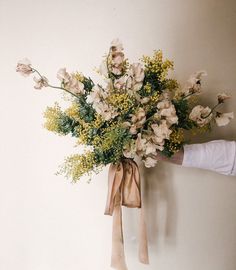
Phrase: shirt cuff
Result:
[218,156]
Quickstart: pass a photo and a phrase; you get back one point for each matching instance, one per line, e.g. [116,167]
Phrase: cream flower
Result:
[117,59]
[137,120]
[151,148]
[40,82]
[201,115]
[120,83]
[140,145]
[223,119]
[75,86]
[150,162]
[103,69]
[107,112]
[63,75]
[145,100]
[137,72]
[193,85]
[167,109]
[96,95]
[161,131]
[136,77]
[24,67]
[116,45]
[222,97]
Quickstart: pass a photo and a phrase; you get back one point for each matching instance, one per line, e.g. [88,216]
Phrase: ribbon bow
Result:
[124,188]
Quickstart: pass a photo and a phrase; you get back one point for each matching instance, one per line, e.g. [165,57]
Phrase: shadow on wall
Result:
[159,197]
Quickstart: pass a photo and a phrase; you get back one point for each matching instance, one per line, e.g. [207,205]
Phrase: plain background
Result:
[47,223]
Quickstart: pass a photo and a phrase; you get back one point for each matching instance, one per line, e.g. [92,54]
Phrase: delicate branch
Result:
[211,111]
[52,86]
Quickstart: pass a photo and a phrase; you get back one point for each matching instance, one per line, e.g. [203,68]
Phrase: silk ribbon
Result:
[124,188]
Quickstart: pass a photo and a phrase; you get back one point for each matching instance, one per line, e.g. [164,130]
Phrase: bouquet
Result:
[136,112]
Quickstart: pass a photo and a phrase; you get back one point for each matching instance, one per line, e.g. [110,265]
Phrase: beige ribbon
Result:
[124,188]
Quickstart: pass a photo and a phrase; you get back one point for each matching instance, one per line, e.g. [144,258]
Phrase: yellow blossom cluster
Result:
[52,116]
[79,76]
[148,88]
[176,140]
[154,98]
[156,64]
[122,101]
[76,166]
[73,112]
[200,130]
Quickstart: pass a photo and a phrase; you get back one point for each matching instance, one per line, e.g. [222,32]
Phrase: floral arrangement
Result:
[137,111]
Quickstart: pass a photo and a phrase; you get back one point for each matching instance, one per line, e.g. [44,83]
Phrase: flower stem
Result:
[211,110]
[52,86]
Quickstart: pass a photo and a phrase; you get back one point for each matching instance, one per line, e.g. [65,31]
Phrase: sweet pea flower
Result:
[161,131]
[193,85]
[140,145]
[120,83]
[117,59]
[201,115]
[151,148]
[222,97]
[63,75]
[40,82]
[137,120]
[223,119]
[24,67]
[75,86]
[150,162]
[116,45]
[103,69]
[167,109]
[96,95]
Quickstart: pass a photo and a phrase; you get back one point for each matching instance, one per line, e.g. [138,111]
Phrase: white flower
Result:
[193,85]
[150,162]
[107,112]
[103,68]
[120,83]
[75,86]
[137,120]
[167,109]
[116,70]
[24,67]
[222,119]
[137,72]
[151,148]
[117,59]
[222,97]
[116,45]
[140,145]
[63,75]
[201,115]
[161,131]
[40,82]
[96,95]
[145,100]
[136,76]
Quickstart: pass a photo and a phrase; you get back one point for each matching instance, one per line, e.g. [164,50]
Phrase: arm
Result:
[218,156]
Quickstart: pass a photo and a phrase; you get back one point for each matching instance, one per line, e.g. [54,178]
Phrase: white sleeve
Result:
[218,156]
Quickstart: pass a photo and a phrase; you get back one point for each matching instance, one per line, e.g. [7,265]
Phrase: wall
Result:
[47,223]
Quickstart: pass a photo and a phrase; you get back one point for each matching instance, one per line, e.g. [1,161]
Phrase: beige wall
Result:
[46,223]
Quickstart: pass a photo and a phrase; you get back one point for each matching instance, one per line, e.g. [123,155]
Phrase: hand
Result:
[177,158]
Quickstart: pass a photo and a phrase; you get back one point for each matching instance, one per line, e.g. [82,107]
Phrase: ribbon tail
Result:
[143,241]
[118,253]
